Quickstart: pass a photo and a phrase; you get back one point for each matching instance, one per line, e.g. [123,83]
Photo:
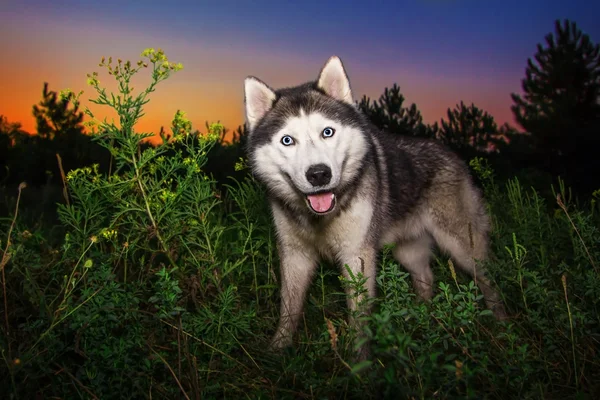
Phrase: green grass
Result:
[155,286]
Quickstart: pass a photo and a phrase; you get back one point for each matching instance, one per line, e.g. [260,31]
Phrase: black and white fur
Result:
[386,189]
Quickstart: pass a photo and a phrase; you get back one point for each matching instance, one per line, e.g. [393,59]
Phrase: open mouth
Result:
[321,203]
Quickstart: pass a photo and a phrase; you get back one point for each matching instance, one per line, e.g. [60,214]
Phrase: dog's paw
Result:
[280,342]
[498,310]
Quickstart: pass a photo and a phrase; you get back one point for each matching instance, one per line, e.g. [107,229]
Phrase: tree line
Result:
[558,113]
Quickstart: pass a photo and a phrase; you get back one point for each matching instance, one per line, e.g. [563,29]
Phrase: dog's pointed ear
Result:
[334,81]
[258,98]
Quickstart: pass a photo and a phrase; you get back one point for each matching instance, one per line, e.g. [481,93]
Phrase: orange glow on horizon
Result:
[210,87]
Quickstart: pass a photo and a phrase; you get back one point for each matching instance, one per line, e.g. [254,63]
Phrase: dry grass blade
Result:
[172,372]
[564,208]
[4,261]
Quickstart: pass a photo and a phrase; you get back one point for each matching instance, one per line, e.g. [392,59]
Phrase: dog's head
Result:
[306,143]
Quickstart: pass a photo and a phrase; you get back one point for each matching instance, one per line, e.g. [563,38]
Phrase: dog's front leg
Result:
[297,268]
[363,262]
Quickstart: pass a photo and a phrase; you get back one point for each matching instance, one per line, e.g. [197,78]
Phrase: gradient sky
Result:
[439,51]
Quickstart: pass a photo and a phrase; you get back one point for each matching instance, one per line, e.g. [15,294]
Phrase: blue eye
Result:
[287,140]
[328,132]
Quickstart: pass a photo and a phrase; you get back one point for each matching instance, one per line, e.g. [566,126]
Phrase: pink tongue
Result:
[321,202]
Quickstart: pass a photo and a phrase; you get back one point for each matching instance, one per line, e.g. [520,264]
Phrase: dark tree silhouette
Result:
[560,105]
[470,129]
[32,158]
[11,136]
[60,122]
[223,157]
[11,130]
[55,117]
[388,114]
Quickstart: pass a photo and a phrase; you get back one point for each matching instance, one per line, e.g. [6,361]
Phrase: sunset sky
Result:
[439,51]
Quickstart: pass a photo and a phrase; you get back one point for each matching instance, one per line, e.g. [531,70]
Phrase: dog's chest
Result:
[346,233]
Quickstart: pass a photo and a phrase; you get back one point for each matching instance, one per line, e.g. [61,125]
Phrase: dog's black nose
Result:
[318,175]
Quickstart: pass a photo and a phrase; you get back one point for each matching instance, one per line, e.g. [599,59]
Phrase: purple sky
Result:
[439,52]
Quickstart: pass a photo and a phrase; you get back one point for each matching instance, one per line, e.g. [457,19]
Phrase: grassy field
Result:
[154,284]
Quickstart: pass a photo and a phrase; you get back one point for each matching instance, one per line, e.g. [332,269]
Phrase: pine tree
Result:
[11,134]
[389,114]
[560,105]
[60,131]
[54,116]
[469,129]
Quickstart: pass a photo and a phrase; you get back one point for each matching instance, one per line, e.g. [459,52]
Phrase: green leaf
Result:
[360,366]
